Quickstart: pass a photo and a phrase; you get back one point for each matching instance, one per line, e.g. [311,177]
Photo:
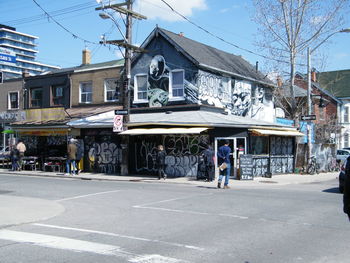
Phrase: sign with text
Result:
[121,112]
[308,117]
[246,167]
[118,123]
[7,57]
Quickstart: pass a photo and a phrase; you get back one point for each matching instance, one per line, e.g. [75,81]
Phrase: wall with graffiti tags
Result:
[164,77]
[182,151]
[102,152]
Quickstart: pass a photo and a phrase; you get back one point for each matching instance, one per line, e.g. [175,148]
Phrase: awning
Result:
[43,132]
[163,131]
[277,132]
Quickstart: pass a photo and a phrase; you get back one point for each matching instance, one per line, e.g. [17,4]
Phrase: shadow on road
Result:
[333,190]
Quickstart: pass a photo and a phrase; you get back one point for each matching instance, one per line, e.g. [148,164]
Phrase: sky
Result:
[66,27]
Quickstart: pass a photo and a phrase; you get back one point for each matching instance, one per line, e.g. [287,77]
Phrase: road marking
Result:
[83,196]
[82,246]
[120,236]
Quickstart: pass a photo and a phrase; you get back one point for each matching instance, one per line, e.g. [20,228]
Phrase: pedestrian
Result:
[21,149]
[346,194]
[14,158]
[224,161]
[208,156]
[80,153]
[71,157]
[160,160]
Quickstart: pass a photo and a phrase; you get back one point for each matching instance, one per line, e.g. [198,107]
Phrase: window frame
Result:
[346,114]
[171,88]
[53,89]
[9,106]
[136,89]
[106,91]
[85,93]
[31,98]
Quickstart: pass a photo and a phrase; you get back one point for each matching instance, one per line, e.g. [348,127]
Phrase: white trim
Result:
[136,95]
[80,93]
[9,100]
[20,48]
[105,90]
[177,98]
[17,33]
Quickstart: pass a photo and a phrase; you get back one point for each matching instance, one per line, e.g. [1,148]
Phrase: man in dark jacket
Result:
[208,156]
[346,196]
[161,162]
[224,157]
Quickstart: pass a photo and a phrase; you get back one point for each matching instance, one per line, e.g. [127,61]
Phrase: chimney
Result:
[86,57]
[181,34]
[313,75]
[25,74]
[279,82]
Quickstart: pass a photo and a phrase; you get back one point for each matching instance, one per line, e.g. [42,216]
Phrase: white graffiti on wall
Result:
[262,106]
[213,89]
[242,98]
[105,156]
[177,166]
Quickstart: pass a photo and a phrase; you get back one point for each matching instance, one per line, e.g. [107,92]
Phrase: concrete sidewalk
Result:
[283,179]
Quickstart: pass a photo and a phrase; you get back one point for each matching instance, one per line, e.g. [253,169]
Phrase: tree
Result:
[288,27]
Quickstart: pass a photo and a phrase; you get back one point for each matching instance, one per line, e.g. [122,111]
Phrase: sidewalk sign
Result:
[246,166]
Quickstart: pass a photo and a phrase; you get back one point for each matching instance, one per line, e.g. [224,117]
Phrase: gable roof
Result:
[210,58]
[336,82]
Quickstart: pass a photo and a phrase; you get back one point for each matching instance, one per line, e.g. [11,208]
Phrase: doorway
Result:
[238,146]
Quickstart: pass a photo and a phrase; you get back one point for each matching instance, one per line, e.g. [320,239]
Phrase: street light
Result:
[309,52]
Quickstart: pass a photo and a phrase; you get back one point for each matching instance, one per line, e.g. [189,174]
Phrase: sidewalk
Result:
[283,179]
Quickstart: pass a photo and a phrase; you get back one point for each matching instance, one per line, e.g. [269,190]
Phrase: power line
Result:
[223,40]
[64,28]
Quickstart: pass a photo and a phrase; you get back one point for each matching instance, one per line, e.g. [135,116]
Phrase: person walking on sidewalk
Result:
[160,160]
[21,149]
[14,153]
[224,158]
[208,156]
[71,156]
[346,194]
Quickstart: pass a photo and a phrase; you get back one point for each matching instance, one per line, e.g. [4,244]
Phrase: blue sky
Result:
[229,19]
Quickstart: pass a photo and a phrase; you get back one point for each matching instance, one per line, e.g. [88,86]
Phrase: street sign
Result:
[118,123]
[121,112]
[308,117]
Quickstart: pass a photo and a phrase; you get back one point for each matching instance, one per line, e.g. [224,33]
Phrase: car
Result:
[342,177]
[342,154]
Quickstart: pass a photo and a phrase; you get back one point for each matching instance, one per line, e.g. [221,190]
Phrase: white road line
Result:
[120,236]
[170,200]
[81,246]
[82,196]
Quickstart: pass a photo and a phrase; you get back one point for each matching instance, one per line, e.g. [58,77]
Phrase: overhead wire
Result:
[223,40]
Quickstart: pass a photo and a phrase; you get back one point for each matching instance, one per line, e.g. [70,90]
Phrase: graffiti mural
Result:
[102,157]
[214,90]
[242,98]
[262,106]
[282,154]
[56,140]
[260,166]
[182,154]
[325,153]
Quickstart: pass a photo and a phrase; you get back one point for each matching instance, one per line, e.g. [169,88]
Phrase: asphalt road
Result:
[96,221]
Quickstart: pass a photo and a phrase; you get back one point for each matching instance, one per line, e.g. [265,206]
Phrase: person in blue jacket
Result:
[224,157]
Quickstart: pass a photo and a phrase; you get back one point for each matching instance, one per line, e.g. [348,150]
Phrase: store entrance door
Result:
[238,146]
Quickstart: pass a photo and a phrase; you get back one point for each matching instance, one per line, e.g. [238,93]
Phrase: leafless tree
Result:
[287,27]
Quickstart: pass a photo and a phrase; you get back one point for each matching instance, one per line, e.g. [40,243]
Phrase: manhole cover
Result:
[268,182]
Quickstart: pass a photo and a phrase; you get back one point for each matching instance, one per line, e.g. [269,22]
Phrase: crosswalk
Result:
[82,246]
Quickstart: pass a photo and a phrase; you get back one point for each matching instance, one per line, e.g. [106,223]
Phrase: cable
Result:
[64,28]
[223,40]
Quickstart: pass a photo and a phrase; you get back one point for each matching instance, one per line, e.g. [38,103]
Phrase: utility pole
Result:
[126,43]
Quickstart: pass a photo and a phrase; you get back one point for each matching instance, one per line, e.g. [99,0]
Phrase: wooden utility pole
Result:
[127,44]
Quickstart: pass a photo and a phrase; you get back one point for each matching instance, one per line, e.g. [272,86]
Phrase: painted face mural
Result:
[241,98]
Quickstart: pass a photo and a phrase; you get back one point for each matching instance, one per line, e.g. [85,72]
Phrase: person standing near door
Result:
[160,160]
[224,157]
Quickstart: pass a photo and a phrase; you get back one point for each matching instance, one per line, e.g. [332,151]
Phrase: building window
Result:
[36,98]
[346,140]
[346,114]
[57,95]
[140,92]
[13,100]
[177,84]
[85,92]
[111,90]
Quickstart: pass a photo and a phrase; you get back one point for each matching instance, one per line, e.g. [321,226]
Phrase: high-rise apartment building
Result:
[17,54]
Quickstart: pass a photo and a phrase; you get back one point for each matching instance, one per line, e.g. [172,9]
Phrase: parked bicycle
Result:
[313,167]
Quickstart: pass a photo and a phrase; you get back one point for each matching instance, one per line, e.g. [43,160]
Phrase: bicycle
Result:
[313,167]
[333,165]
